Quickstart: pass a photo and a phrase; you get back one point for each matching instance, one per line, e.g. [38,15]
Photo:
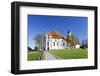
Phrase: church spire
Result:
[68,31]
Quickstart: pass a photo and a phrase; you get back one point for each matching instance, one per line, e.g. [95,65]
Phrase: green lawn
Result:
[70,54]
[34,55]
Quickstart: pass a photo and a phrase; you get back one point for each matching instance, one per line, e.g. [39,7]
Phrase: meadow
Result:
[70,54]
[35,55]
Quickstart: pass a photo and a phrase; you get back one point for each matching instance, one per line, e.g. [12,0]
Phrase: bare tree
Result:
[84,44]
[72,40]
[38,40]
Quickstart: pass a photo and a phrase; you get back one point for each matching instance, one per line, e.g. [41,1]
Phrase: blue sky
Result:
[39,24]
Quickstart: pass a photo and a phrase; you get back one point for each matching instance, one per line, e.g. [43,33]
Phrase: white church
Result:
[54,40]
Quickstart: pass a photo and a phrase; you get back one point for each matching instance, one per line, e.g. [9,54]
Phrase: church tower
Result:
[69,33]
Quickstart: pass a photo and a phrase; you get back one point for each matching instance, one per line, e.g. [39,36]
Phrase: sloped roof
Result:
[55,34]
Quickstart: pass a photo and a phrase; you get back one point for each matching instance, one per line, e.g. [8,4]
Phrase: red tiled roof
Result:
[55,34]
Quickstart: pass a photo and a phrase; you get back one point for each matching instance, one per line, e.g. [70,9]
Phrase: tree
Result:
[38,40]
[84,44]
[30,49]
[36,48]
[72,40]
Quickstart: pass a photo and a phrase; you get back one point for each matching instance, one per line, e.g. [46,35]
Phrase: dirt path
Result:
[48,56]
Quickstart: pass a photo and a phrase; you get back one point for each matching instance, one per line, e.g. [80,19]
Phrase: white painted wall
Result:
[54,43]
[5,35]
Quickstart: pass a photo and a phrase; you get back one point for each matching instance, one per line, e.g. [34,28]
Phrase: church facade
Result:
[54,40]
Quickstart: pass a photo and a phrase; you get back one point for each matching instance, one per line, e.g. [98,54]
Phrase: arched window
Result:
[57,43]
[63,44]
[48,43]
[53,43]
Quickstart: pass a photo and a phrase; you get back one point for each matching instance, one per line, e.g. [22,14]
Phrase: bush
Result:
[36,49]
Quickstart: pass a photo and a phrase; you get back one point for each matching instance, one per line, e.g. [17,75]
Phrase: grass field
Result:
[70,54]
[34,55]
